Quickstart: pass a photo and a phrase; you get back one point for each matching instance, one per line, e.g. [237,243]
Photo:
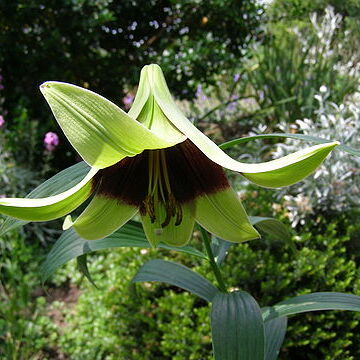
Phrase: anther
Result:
[179,214]
[168,215]
[149,208]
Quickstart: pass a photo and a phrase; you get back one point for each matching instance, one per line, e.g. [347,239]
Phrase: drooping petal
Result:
[49,208]
[102,217]
[171,234]
[62,181]
[276,173]
[100,131]
[223,215]
[292,168]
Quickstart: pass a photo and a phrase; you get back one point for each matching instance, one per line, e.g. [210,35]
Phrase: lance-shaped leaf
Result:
[70,246]
[57,184]
[316,140]
[313,302]
[83,268]
[275,331]
[271,226]
[49,208]
[177,275]
[276,173]
[237,327]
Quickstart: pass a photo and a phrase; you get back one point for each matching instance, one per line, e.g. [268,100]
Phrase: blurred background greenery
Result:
[236,68]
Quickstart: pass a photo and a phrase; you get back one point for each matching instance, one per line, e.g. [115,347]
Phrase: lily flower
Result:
[155,162]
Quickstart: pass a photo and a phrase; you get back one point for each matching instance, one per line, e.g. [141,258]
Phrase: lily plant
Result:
[152,161]
[155,162]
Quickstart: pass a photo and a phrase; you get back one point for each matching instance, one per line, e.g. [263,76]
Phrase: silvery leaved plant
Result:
[335,187]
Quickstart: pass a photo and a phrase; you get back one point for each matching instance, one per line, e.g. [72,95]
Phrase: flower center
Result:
[159,190]
[160,181]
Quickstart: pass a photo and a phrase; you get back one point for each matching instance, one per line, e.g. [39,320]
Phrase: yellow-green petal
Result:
[142,95]
[155,120]
[100,131]
[171,234]
[145,110]
[293,167]
[102,217]
[280,172]
[223,215]
[49,208]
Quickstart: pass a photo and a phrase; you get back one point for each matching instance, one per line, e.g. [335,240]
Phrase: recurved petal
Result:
[223,215]
[291,168]
[281,172]
[102,217]
[100,131]
[171,234]
[49,208]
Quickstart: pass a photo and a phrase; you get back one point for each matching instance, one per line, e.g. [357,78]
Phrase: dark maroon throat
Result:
[181,173]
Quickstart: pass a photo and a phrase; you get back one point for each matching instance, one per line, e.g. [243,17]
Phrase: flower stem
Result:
[214,266]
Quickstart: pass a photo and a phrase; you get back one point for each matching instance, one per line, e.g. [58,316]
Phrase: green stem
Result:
[212,261]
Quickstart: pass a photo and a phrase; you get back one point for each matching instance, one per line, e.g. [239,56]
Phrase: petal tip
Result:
[43,87]
[68,223]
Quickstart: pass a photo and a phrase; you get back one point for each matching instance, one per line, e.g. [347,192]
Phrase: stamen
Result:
[160,182]
[151,171]
[159,190]
[167,217]
[150,208]
[165,172]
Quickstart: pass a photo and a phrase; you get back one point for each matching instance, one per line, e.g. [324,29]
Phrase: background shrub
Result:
[162,322]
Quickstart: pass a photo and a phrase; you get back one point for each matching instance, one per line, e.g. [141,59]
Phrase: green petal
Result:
[102,217]
[171,234]
[223,215]
[100,131]
[154,119]
[292,168]
[147,111]
[51,207]
[142,95]
[280,172]
[62,181]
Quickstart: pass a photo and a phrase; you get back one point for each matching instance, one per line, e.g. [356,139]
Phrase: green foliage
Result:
[295,61]
[26,331]
[162,322]
[133,323]
[103,44]
[300,9]
[14,180]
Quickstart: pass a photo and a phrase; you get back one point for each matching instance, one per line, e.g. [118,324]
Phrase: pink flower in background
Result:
[51,141]
[2,121]
[127,101]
